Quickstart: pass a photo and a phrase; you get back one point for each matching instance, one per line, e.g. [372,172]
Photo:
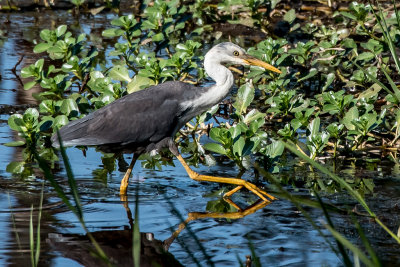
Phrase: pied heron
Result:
[147,120]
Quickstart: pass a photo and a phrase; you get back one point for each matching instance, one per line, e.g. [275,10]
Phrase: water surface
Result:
[279,233]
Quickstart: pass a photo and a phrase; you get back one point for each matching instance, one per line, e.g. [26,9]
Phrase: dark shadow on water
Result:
[117,244]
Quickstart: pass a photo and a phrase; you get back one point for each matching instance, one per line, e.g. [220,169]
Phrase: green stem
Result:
[335,148]
[370,34]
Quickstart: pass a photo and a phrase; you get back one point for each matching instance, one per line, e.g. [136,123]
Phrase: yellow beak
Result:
[256,62]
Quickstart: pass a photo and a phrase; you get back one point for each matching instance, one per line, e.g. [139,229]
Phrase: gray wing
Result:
[143,117]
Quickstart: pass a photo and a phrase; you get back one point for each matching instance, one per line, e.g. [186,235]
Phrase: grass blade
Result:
[14,224]
[182,244]
[292,199]
[255,260]
[337,179]
[49,176]
[195,238]
[239,261]
[397,14]
[31,239]
[385,31]
[350,246]
[367,244]
[78,205]
[77,208]
[71,179]
[378,82]
[37,254]
[392,84]
[136,232]
[345,185]
[342,251]
[34,246]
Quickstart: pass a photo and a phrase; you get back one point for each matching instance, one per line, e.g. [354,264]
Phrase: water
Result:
[280,235]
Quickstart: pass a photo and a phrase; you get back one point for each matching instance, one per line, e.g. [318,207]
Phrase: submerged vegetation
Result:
[338,95]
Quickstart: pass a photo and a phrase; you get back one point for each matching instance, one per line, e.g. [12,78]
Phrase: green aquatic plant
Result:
[328,81]
[316,140]
[244,138]
[337,95]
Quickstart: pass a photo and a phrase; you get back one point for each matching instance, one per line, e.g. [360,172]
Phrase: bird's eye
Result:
[235,53]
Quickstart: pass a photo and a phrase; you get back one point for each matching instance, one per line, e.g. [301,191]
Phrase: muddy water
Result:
[281,236]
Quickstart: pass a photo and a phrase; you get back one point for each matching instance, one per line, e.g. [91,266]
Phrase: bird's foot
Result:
[235,181]
[251,187]
[240,183]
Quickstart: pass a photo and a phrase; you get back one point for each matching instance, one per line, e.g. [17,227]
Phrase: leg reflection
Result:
[216,215]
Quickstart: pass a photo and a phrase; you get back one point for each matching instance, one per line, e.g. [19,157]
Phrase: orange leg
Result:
[125,181]
[235,181]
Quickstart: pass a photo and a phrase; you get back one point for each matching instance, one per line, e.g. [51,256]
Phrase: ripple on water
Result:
[280,235]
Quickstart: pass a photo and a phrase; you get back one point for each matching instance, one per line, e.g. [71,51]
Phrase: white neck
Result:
[219,73]
[223,81]
[214,94]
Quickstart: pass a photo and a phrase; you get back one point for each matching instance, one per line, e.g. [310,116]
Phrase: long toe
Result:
[259,192]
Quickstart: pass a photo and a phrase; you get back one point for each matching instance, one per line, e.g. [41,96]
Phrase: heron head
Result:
[233,54]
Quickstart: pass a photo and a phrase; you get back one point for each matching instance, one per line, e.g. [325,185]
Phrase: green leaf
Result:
[290,16]
[235,131]
[311,73]
[296,123]
[61,30]
[96,74]
[68,105]
[32,112]
[15,143]
[366,56]
[370,92]
[206,116]
[46,35]
[329,79]
[349,15]
[275,149]
[15,167]
[28,72]
[42,47]
[46,106]
[349,43]
[119,73]
[60,121]
[351,115]
[109,33]
[15,122]
[138,83]
[158,37]
[29,85]
[244,97]
[39,64]
[314,126]
[238,146]
[252,116]
[219,205]
[248,148]
[216,148]
[45,125]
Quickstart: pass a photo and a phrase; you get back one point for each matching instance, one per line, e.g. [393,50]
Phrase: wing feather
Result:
[142,117]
